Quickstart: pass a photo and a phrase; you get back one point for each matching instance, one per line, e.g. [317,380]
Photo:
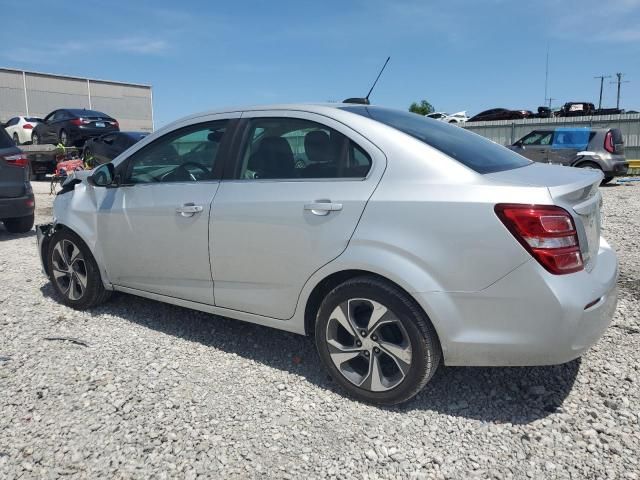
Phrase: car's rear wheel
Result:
[20,224]
[73,272]
[376,341]
[16,139]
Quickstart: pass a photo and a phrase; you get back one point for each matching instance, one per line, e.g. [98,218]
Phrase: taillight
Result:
[27,126]
[609,146]
[115,124]
[76,121]
[17,160]
[547,232]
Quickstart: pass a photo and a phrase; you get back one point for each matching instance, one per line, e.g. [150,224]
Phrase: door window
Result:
[291,148]
[189,154]
[538,138]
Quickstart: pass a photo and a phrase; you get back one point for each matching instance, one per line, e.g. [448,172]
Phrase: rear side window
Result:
[571,138]
[291,148]
[474,151]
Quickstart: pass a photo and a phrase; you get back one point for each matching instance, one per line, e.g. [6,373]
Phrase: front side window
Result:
[538,138]
[189,154]
[476,152]
[291,148]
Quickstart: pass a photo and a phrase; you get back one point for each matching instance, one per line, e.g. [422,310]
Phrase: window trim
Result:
[125,168]
[242,140]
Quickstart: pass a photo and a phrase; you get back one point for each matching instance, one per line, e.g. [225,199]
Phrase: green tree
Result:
[422,108]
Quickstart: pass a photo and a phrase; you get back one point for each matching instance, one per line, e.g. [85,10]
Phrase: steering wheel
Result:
[184,168]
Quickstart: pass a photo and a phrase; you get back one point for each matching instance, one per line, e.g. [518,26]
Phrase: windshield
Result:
[474,151]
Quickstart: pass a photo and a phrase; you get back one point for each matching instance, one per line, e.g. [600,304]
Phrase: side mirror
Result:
[102,176]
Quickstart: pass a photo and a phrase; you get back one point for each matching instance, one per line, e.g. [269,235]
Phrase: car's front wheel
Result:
[74,272]
[64,138]
[35,138]
[376,341]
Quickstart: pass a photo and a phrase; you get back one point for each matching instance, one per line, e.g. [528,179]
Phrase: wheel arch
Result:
[329,282]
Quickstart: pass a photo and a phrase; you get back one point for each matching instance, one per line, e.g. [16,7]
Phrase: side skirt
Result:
[286,325]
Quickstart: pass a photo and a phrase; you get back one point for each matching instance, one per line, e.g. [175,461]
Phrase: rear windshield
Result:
[33,119]
[474,151]
[86,113]
[5,139]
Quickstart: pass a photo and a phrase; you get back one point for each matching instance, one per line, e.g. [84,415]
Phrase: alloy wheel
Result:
[368,344]
[69,269]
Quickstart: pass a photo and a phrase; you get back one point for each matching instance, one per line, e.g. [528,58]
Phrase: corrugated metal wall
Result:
[507,132]
[130,104]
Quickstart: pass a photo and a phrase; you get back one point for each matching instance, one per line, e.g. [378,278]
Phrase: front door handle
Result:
[322,208]
[189,209]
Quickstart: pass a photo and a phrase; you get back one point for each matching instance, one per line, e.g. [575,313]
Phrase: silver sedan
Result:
[396,241]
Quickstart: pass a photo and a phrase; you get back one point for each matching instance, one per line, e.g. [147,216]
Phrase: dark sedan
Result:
[73,126]
[106,147]
[500,114]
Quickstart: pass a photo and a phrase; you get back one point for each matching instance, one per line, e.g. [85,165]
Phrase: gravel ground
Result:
[156,391]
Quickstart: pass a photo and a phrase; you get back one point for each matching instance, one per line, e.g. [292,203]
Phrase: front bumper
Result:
[529,317]
[17,207]
[43,234]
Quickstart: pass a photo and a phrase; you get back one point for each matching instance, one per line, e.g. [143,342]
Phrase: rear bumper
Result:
[17,207]
[616,168]
[529,317]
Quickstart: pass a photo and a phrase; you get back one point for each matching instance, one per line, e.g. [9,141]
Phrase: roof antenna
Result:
[365,100]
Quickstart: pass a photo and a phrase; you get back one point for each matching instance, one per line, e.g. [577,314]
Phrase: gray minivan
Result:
[597,148]
[17,204]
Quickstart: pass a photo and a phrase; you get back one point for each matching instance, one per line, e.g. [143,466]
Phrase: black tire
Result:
[35,139]
[16,139]
[606,180]
[20,224]
[93,293]
[63,138]
[425,352]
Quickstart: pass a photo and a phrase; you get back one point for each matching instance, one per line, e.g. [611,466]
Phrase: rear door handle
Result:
[322,208]
[189,209]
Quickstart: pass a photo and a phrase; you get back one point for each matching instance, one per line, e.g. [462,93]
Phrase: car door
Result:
[154,227]
[50,128]
[535,145]
[290,206]
[567,142]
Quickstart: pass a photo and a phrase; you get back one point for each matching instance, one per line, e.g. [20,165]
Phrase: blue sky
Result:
[458,54]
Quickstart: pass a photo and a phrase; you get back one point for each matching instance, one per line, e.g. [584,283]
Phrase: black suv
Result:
[17,204]
[73,126]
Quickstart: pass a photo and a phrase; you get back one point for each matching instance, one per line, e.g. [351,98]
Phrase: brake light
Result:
[547,232]
[17,161]
[27,126]
[76,121]
[115,124]
[609,146]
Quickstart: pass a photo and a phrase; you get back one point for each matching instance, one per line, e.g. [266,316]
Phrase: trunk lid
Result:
[574,189]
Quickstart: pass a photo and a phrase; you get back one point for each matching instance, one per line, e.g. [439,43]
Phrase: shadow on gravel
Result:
[515,395]
[5,236]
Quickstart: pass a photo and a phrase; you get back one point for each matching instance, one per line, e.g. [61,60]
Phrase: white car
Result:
[437,115]
[21,128]
[459,117]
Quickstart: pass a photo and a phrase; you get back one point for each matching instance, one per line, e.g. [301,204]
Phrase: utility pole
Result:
[619,82]
[601,77]
[550,100]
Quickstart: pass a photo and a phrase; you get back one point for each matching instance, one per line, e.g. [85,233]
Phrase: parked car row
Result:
[97,134]
[569,109]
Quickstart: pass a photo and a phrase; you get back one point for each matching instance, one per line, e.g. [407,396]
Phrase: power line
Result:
[619,82]
[601,77]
